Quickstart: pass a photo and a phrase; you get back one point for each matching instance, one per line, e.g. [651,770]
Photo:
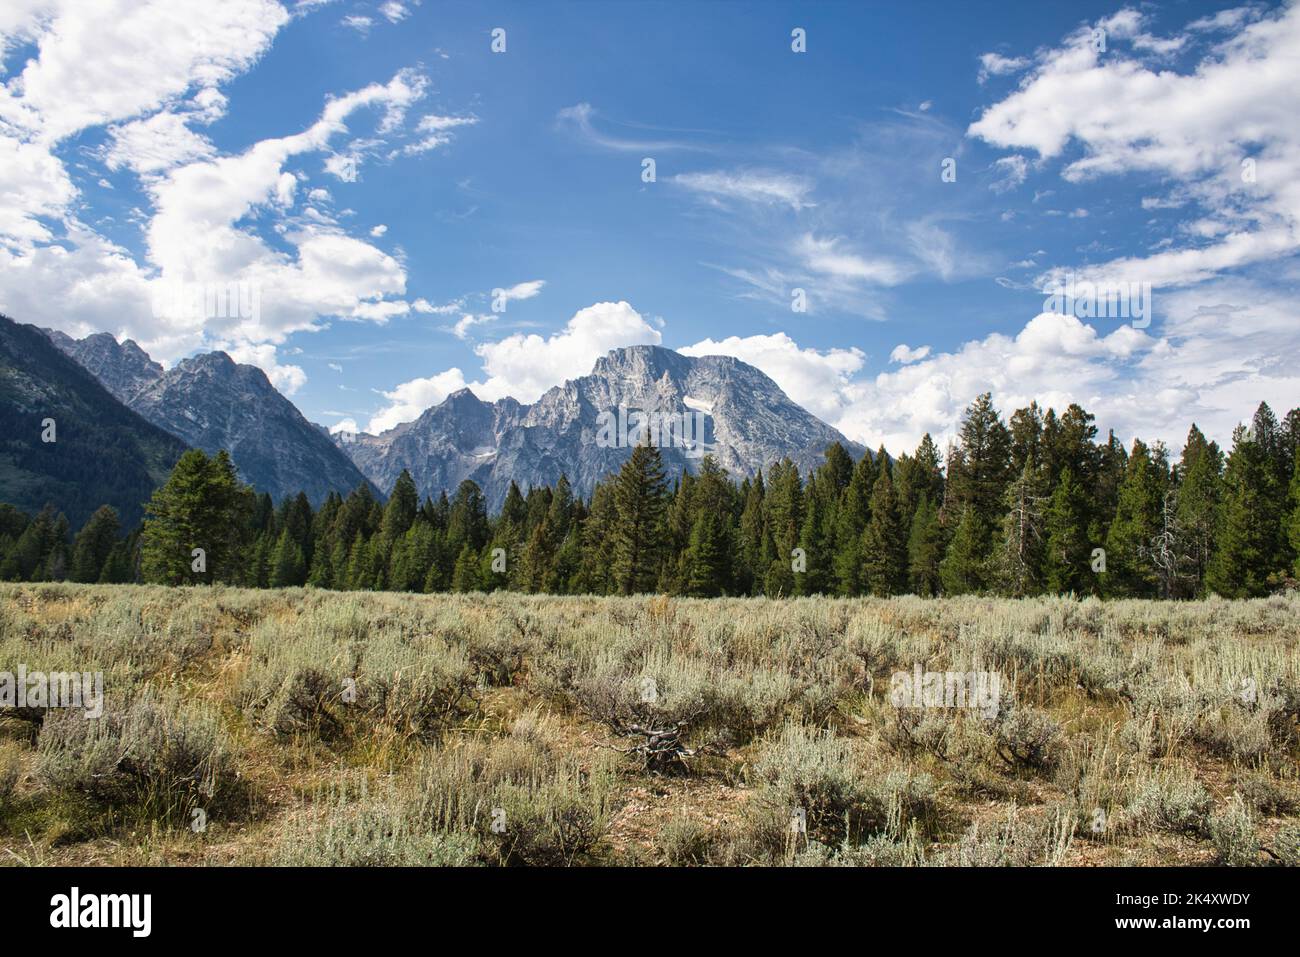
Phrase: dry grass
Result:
[298,726]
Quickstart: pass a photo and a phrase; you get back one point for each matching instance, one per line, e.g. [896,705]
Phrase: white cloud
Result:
[1011,170]
[435,131]
[578,118]
[828,256]
[148,72]
[446,309]
[409,399]
[466,322]
[906,355]
[348,424]
[119,59]
[394,11]
[156,144]
[519,291]
[813,379]
[378,231]
[1195,128]
[358,22]
[287,378]
[1229,19]
[1226,347]
[752,185]
[525,366]
[995,64]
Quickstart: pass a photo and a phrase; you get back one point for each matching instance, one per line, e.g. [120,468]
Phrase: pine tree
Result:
[1169,552]
[1066,561]
[850,522]
[1200,489]
[978,476]
[202,505]
[639,502]
[60,556]
[884,542]
[706,557]
[815,540]
[401,509]
[467,522]
[965,566]
[1292,521]
[31,551]
[465,576]
[287,567]
[94,544]
[595,575]
[1129,573]
[1249,520]
[1020,558]
[751,567]
[538,558]
[925,548]
[986,462]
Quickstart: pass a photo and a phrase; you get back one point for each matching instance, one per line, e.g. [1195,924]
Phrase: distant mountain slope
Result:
[103,453]
[122,369]
[212,403]
[749,423]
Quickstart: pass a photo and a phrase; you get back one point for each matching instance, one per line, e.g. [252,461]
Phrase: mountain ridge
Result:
[212,402]
[748,423]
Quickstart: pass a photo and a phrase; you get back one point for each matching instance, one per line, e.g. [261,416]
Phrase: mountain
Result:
[122,369]
[102,453]
[212,403]
[575,429]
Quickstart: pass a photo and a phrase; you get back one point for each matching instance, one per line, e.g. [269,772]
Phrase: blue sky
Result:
[375,171]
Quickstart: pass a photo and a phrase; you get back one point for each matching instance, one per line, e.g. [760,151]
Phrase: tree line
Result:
[1033,505]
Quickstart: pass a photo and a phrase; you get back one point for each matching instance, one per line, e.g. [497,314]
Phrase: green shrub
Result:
[159,756]
[1232,832]
[687,841]
[1169,801]
[385,831]
[1043,840]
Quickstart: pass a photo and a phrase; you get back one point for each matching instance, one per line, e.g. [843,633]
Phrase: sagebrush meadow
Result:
[300,726]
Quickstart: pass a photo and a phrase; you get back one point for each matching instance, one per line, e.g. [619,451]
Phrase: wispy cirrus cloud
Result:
[751,186]
[579,120]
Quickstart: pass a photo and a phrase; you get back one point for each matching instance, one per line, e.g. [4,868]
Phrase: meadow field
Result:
[306,727]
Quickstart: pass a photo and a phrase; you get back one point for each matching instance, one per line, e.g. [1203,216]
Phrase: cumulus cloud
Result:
[409,399]
[287,378]
[102,65]
[1199,129]
[995,64]
[159,143]
[525,366]
[463,325]
[814,379]
[1224,347]
[905,354]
